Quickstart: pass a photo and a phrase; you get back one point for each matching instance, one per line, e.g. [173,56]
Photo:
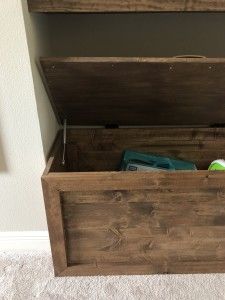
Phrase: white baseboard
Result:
[24,240]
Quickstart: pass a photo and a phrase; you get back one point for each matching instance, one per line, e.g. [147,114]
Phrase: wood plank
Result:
[101,270]
[124,6]
[126,196]
[169,181]
[55,226]
[155,91]
[102,149]
[89,161]
[197,267]
[100,137]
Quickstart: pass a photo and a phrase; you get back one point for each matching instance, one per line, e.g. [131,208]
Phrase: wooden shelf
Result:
[85,6]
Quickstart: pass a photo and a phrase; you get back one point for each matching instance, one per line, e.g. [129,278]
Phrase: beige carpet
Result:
[29,275]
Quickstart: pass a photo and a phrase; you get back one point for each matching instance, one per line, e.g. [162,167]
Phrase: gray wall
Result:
[154,34]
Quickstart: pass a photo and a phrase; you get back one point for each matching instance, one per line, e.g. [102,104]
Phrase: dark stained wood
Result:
[111,223]
[195,267]
[101,138]
[109,161]
[124,6]
[55,226]
[146,223]
[132,233]
[53,207]
[137,91]
[101,149]
[104,223]
[86,181]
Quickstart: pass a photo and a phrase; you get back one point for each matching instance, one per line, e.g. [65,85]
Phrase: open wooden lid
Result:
[137,91]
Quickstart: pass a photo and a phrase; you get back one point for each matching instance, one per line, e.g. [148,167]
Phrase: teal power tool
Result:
[135,161]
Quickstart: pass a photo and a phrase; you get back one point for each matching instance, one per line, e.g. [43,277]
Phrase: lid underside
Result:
[137,91]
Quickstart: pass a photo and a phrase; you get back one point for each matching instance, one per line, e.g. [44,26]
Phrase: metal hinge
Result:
[64,142]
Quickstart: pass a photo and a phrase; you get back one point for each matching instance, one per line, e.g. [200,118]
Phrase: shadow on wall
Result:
[3,165]
[38,43]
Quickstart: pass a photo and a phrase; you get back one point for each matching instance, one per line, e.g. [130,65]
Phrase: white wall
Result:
[22,153]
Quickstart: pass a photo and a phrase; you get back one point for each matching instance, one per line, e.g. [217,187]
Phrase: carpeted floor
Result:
[29,275]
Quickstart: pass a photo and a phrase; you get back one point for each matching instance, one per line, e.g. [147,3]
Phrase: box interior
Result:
[90,150]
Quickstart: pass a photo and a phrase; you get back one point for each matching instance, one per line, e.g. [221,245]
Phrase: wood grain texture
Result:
[137,91]
[131,227]
[55,226]
[148,223]
[85,181]
[124,6]
[102,149]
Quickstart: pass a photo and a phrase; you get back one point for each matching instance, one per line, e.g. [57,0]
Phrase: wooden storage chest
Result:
[102,221]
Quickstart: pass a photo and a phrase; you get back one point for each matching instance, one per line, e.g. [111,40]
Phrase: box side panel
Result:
[55,225]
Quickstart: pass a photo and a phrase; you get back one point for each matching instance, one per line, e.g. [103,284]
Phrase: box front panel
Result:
[172,228]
